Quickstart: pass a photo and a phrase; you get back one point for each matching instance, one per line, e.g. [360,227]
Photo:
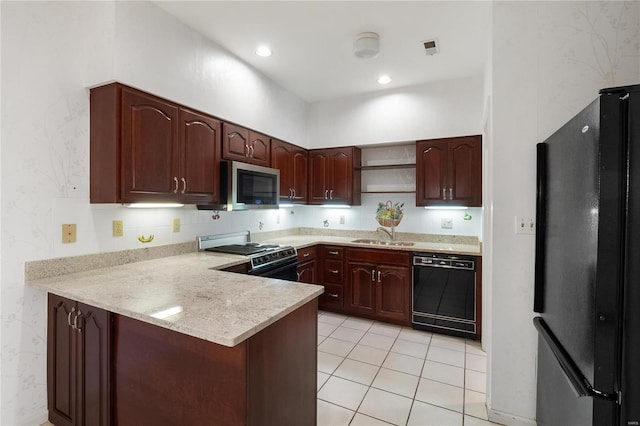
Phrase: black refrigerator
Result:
[587,266]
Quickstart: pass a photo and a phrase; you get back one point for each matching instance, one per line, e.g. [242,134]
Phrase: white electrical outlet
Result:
[342,220]
[446,223]
[525,225]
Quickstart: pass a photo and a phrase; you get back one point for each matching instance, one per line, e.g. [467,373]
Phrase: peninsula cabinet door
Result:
[199,179]
[78,363]
[149,148]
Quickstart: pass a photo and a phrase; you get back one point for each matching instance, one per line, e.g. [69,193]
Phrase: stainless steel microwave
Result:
[246,186]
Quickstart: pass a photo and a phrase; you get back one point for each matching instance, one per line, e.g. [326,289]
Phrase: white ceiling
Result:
[312,41]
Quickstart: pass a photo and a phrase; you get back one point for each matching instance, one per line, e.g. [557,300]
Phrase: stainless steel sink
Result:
[383,242]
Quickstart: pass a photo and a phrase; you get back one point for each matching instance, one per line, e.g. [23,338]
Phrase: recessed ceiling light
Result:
[263,51]
[384,79]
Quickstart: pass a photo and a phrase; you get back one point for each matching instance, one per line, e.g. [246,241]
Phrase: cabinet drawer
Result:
[306,254]
[333,252]
[332,297]
[333,271]
[379,256]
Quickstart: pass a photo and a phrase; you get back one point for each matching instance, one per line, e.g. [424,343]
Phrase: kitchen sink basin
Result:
[383,242]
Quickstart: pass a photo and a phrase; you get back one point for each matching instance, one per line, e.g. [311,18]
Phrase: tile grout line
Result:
[379,368]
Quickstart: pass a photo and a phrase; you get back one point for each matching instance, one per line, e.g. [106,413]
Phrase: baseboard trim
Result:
[508,419]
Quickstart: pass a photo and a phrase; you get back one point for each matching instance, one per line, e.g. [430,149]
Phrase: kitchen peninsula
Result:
[170,341]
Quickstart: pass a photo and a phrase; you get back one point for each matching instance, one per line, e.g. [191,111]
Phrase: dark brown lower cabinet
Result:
[105,368]
[379,285]
[162,377]
[78,363]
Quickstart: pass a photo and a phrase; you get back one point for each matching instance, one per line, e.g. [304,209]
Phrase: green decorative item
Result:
[466,216]
[389,214]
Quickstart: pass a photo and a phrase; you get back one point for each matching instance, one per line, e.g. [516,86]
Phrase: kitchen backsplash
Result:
[94,222]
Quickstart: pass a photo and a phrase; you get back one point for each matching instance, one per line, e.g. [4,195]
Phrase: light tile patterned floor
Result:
[372,373]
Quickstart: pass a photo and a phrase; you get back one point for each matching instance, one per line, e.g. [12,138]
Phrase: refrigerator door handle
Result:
[541,189]
[580,384]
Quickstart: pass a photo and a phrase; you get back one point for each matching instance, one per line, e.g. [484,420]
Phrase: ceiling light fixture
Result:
[384,79]
[366,46]
[263,51]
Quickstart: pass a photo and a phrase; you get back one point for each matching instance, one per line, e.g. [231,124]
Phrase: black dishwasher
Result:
[444,294]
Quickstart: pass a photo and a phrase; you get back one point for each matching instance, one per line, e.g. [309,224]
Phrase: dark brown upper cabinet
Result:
[241,144]
[291,160]
[147,149]
[334,176]
[449,172]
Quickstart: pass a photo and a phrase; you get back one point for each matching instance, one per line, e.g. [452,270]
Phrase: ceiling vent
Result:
[430,47]
[366,46]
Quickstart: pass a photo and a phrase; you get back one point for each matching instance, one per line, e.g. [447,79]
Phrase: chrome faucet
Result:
[392,235]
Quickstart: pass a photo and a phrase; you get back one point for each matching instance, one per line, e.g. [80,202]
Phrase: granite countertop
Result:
[219,307]
[300,241]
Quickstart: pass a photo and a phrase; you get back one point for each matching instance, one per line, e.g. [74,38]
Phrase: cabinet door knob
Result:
[326,194]
[373,275]
[331,194]
[444,194]
[298,274]
[184,185]
[293,191]
[379,279]
[450,194]
[175,189]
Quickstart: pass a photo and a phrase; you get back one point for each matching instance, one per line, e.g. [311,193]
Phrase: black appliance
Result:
[265,260]
[246,186]
[587,270]
[444,294]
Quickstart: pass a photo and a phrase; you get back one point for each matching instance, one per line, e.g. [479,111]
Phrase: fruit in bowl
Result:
[389,214]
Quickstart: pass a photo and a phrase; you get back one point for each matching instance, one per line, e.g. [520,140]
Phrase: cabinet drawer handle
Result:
[331,194]
[373,275]
[73,309]
[251,149]
[175,189]
[293,192]
[306,254]
[298,274]
[246,150]
[334,295]
[444,194]
[379,280]
[334,271]
[326,194]
[333,252]
[184,185]
[450,194]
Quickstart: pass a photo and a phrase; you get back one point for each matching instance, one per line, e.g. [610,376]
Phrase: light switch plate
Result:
[176,225]
[68,233]
[525,225]
[446,223]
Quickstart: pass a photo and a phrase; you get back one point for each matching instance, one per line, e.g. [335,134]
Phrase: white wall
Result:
[549,61]
[51,53]
[447,108]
